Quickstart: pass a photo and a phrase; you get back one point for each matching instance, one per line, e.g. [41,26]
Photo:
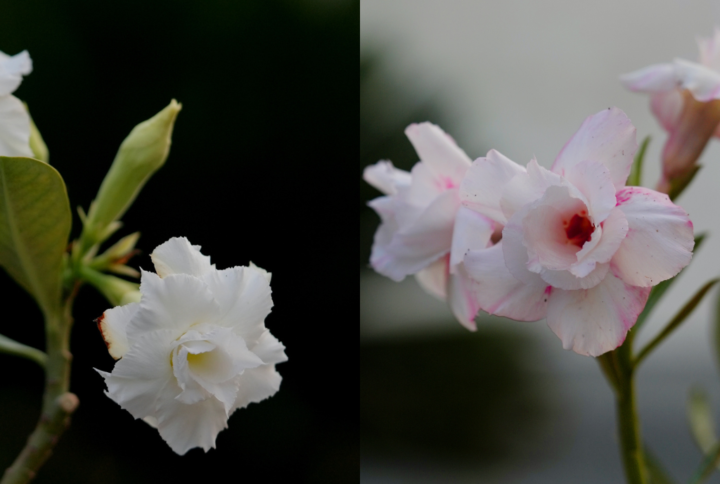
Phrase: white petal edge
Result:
[385,177]
[178,256]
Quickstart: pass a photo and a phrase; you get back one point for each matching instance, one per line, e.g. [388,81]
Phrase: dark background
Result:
[263,157]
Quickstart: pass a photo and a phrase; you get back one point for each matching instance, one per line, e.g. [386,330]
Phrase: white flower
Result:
[14,119]
[195,348]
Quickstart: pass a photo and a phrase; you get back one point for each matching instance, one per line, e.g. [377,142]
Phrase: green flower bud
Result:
[37,145]
[140,155]
[117,291]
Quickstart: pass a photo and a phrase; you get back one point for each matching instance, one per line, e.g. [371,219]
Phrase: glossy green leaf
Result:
[675,322]
[635,178]
[702,424]
[658,291]
[34,227]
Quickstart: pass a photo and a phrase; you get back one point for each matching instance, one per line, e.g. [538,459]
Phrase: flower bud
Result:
[117,291]
[37,144]
[140,155]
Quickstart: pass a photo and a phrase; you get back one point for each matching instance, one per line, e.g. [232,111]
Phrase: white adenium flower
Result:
[424,229]
[578,247]
[14,118]
[195,348]
[685,98]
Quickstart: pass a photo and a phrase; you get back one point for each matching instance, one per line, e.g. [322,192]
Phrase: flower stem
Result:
[58,402]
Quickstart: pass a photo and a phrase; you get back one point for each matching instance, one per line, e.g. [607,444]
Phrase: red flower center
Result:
[579,230]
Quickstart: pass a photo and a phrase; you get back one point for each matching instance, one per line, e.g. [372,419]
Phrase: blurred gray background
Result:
[507,404]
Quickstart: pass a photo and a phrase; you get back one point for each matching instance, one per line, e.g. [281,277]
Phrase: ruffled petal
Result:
[593,180]
[595,321]
[14,128]
[462,300]
[666,106]
[568,281]
[654,78]
[659,242]
[113,325]
[414,247]
[245,300]
[528,187]
[178,256]
[385,177]
[498,292]
[257,384]
[175,303]
[612,233]
[439,152]
[269,349]
[483,185]
[472,231]
[607,137]
[12,69]
[433,279]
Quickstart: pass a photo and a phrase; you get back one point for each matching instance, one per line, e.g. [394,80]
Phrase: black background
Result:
[260,169]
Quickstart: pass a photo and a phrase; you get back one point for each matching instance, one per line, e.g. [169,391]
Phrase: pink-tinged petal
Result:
[701,81]
[385,177]
[654,78]
[514,250]
[439,151]
[472,231]
[607,137]
[593,180]
[178,256]
[14,128]
[666,106]
[414,247]
[528,187]
[545,230]
[659,241]
[710,50]
[566,280]
[462,300]
[433,279]
[498,292]
[595,321]
[612,233]
[484,182]
[423,189]
[113,325]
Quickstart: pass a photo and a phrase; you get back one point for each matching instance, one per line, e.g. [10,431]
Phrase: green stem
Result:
[58,402]
[12,347]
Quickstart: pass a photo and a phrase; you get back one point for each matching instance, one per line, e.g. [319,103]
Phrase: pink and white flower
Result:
[424,230]
[578,247]
[685,98]
[195,348]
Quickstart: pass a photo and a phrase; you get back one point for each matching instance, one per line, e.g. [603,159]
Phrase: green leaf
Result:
[635,178]
[679,184]
[702,424]
[34,227]
[657,292]
[679,318]
[655,471]
[12,347]
[707,466]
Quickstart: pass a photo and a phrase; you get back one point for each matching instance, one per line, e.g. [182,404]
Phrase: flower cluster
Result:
[195,348]
[577,246]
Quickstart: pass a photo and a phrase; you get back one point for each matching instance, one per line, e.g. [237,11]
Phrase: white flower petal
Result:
[710,50]
[12,68]
[654,78]
[269,349]
[528,187]
[415,247]
[498,292]
[385,177]
[439,152]
[113,325]
[483,185]
[607,137]
[462,300]
[433,279]
[14,128]
[245,300]
[612,233]
[659,242]
[176,302]
[701,81]
[593,180]
[257,384]
[471,231]
[178,256]
[568,281]
[595,321]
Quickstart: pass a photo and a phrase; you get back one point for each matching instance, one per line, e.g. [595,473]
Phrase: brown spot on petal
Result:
[99,321]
